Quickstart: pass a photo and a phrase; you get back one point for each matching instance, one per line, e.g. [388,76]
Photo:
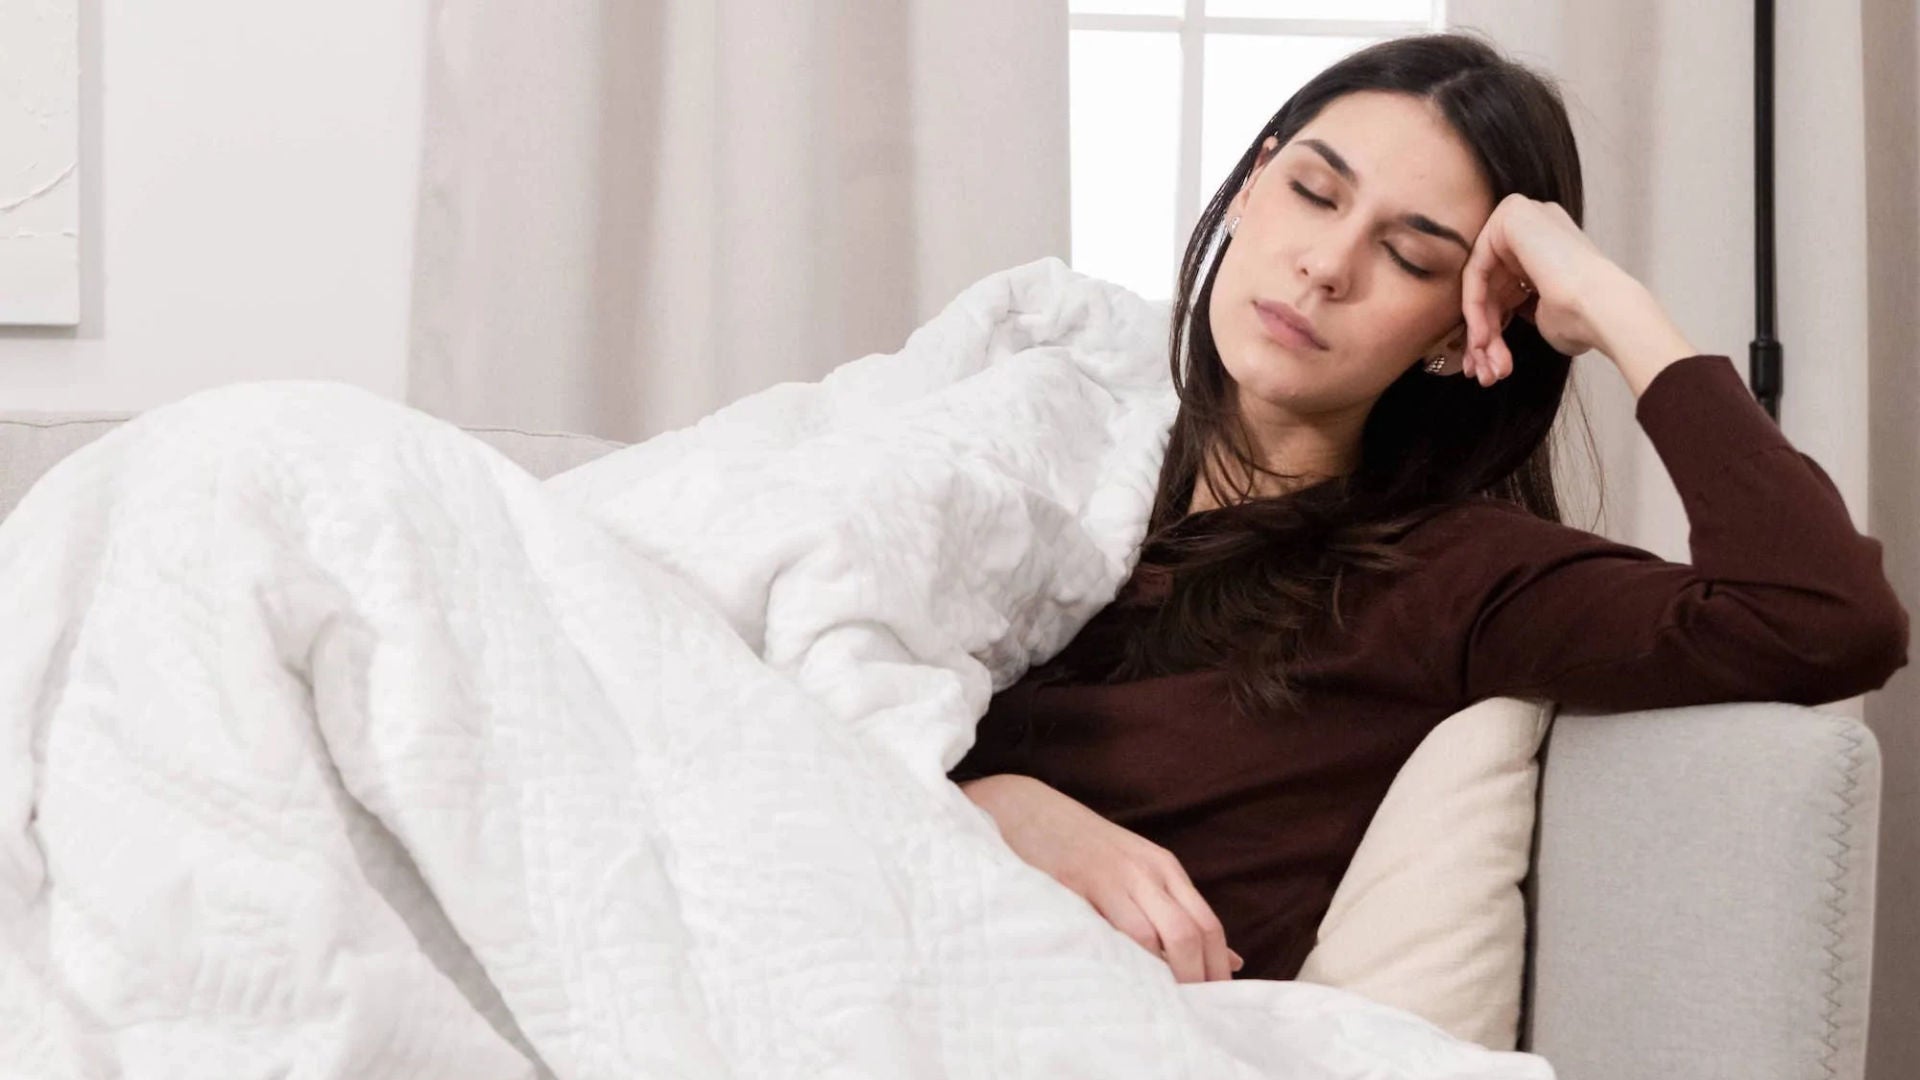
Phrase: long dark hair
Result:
[1253,581]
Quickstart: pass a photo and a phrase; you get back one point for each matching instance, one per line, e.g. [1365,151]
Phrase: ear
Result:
[1451,345]
[1268,148]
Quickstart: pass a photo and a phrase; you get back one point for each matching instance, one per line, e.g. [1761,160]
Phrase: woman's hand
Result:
[1531,259]
[1133,883]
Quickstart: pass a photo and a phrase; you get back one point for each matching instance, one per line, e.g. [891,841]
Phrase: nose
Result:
[1327,263]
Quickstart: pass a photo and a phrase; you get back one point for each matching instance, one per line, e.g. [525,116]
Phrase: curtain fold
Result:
[631,214]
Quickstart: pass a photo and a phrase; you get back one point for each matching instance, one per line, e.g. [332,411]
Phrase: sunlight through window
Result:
[1166,94]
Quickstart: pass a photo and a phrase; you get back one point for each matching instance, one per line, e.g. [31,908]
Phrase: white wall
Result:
[247,202]
[1661,99]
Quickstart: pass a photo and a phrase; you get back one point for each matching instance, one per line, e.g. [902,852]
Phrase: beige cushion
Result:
[30,444]
[1430,916]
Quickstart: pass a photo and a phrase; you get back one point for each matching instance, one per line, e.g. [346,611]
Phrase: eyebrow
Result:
[1416,222]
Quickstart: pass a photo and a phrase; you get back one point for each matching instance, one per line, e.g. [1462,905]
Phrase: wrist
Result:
[1001,797]
[1634,331]
[987,791]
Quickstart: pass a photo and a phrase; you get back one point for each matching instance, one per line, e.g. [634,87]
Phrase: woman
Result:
[1356,533]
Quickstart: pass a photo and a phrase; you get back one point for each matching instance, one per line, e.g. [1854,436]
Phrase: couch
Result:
[1701,901]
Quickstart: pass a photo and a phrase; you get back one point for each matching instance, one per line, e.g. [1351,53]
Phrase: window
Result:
[1164,96]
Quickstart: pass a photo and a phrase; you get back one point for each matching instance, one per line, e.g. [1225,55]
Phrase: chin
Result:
[1266,364]
[1296,400]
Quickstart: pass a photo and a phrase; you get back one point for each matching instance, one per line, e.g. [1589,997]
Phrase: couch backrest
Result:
[31,443]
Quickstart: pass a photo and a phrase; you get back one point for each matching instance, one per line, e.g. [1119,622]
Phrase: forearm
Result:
[989,792]
[1634,331]
[1783,598]
[972,788]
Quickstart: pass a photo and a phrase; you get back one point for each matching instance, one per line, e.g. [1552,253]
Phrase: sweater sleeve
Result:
[1784,600]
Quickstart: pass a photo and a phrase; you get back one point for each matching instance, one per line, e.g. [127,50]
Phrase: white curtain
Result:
[632,213]
[1661,95]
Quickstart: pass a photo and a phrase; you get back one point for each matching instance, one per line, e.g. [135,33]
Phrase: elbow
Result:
[1863,645]
[1883,649]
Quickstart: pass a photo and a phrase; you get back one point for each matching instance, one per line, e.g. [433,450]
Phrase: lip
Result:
[1287,326]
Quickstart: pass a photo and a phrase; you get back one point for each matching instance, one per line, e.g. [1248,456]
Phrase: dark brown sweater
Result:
[1784,600]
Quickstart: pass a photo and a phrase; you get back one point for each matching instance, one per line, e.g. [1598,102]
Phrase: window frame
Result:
[1193,26]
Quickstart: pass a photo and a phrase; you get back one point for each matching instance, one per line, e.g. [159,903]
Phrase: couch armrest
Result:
[1702,897]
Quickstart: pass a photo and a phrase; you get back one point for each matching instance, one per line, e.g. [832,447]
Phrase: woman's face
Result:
[1361,225]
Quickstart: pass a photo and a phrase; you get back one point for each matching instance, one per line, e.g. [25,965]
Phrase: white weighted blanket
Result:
[335,745]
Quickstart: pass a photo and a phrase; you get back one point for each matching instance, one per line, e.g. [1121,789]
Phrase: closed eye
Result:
[1417,271]
[1420,272]
[1308,195]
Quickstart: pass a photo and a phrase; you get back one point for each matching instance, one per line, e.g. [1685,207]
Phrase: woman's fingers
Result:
[1117,906]
[1218,959]
[1476,283]
[1179,940]
[1118,873]
[1148,913]
[1494,314]
[1490,293]
[1499,361]
[1491,359]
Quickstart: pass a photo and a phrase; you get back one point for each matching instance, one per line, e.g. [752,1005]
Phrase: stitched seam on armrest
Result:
[550,435]
[44,425]
[1841,858]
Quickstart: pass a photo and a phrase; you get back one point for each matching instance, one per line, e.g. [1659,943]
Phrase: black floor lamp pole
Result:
[1764,365]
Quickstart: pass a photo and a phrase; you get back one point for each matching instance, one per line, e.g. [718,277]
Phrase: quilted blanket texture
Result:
[335,745]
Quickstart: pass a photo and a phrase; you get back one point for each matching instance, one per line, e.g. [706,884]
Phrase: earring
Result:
[1436,363]
[1232,224]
